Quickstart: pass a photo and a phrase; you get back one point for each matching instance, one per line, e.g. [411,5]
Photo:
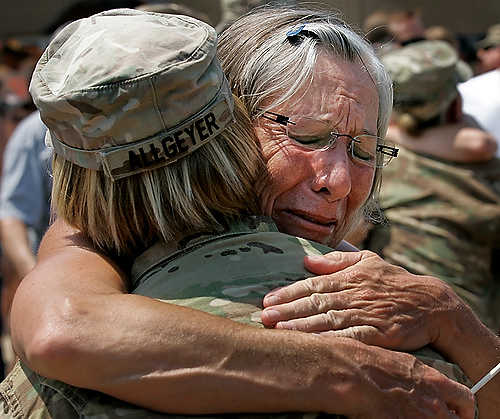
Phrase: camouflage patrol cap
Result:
[425,76]
[492,38]
[126,91]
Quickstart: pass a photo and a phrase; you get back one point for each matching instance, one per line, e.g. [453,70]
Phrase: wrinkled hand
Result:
[359,295]
[397,385]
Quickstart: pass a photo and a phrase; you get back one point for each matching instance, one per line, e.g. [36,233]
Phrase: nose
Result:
[332,172]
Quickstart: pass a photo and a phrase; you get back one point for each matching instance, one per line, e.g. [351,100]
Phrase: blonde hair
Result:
[194,194]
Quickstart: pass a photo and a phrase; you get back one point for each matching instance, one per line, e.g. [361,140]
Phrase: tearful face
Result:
[318,194]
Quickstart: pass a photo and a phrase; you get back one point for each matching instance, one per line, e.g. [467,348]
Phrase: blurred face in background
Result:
[489,58]
[406,26]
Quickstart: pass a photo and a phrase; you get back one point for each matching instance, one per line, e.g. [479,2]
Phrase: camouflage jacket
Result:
[225,273]
[444,221]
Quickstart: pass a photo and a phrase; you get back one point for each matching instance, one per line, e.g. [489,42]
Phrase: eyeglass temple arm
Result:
[280,119]
[388,150]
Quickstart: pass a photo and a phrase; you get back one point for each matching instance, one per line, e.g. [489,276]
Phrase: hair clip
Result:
[296,35]
[295,31]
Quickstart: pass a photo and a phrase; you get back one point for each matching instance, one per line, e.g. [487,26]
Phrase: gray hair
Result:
[263,64]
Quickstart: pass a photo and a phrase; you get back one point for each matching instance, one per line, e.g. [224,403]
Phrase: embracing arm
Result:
[470,344]
[78,325]
[458,142]
[359,295]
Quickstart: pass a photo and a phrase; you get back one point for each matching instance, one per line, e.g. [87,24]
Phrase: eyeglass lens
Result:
[316,134]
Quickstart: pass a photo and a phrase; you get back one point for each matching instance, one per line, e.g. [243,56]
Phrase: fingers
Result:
[317,313]
[457,398]
[443,397]
[300,289]
[334,320]
[331,262]
[332,280]
[460,402]
[369,335]
[306,287]
[316,303]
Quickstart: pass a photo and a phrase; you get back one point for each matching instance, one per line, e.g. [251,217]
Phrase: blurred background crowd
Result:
[440,198]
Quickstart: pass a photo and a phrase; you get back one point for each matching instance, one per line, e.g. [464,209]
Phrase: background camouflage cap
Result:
[492,38]
[126,91]
[425,76]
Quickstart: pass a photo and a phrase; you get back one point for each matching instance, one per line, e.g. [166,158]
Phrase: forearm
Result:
[458,142]
[17,254]
[470,344]
[230,368]
[76,324]
[16,261]
[158,355]
[90,333]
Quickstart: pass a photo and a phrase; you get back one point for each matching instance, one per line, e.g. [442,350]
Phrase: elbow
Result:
[48,342]
[479,146]
[48,352]
[483,147]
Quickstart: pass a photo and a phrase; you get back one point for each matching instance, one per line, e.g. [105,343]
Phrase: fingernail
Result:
[271,300]
[271,316]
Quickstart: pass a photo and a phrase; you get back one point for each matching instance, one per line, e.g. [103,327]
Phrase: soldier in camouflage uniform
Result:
[444,217]
[187,89]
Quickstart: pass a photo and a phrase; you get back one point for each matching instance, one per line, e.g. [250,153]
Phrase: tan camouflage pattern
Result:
[20,399]
[425,76]
[492,38]
[131,90]
[226,273]
[254,263]
[444,221]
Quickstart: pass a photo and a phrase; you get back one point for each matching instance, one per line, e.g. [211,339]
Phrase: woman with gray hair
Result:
[152,355]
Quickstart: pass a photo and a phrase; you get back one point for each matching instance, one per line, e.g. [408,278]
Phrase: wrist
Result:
[466,341]
[452,316]
[355,368]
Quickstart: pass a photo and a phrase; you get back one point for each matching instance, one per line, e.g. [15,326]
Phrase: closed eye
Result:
[312,141]
[359,150]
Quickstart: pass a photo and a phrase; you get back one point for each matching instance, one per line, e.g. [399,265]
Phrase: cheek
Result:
[362,184]
[286,169]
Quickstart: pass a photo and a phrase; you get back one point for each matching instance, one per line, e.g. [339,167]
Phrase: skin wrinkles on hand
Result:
[358,297]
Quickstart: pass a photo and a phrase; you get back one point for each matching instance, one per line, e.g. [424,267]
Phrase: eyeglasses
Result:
[314,134]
